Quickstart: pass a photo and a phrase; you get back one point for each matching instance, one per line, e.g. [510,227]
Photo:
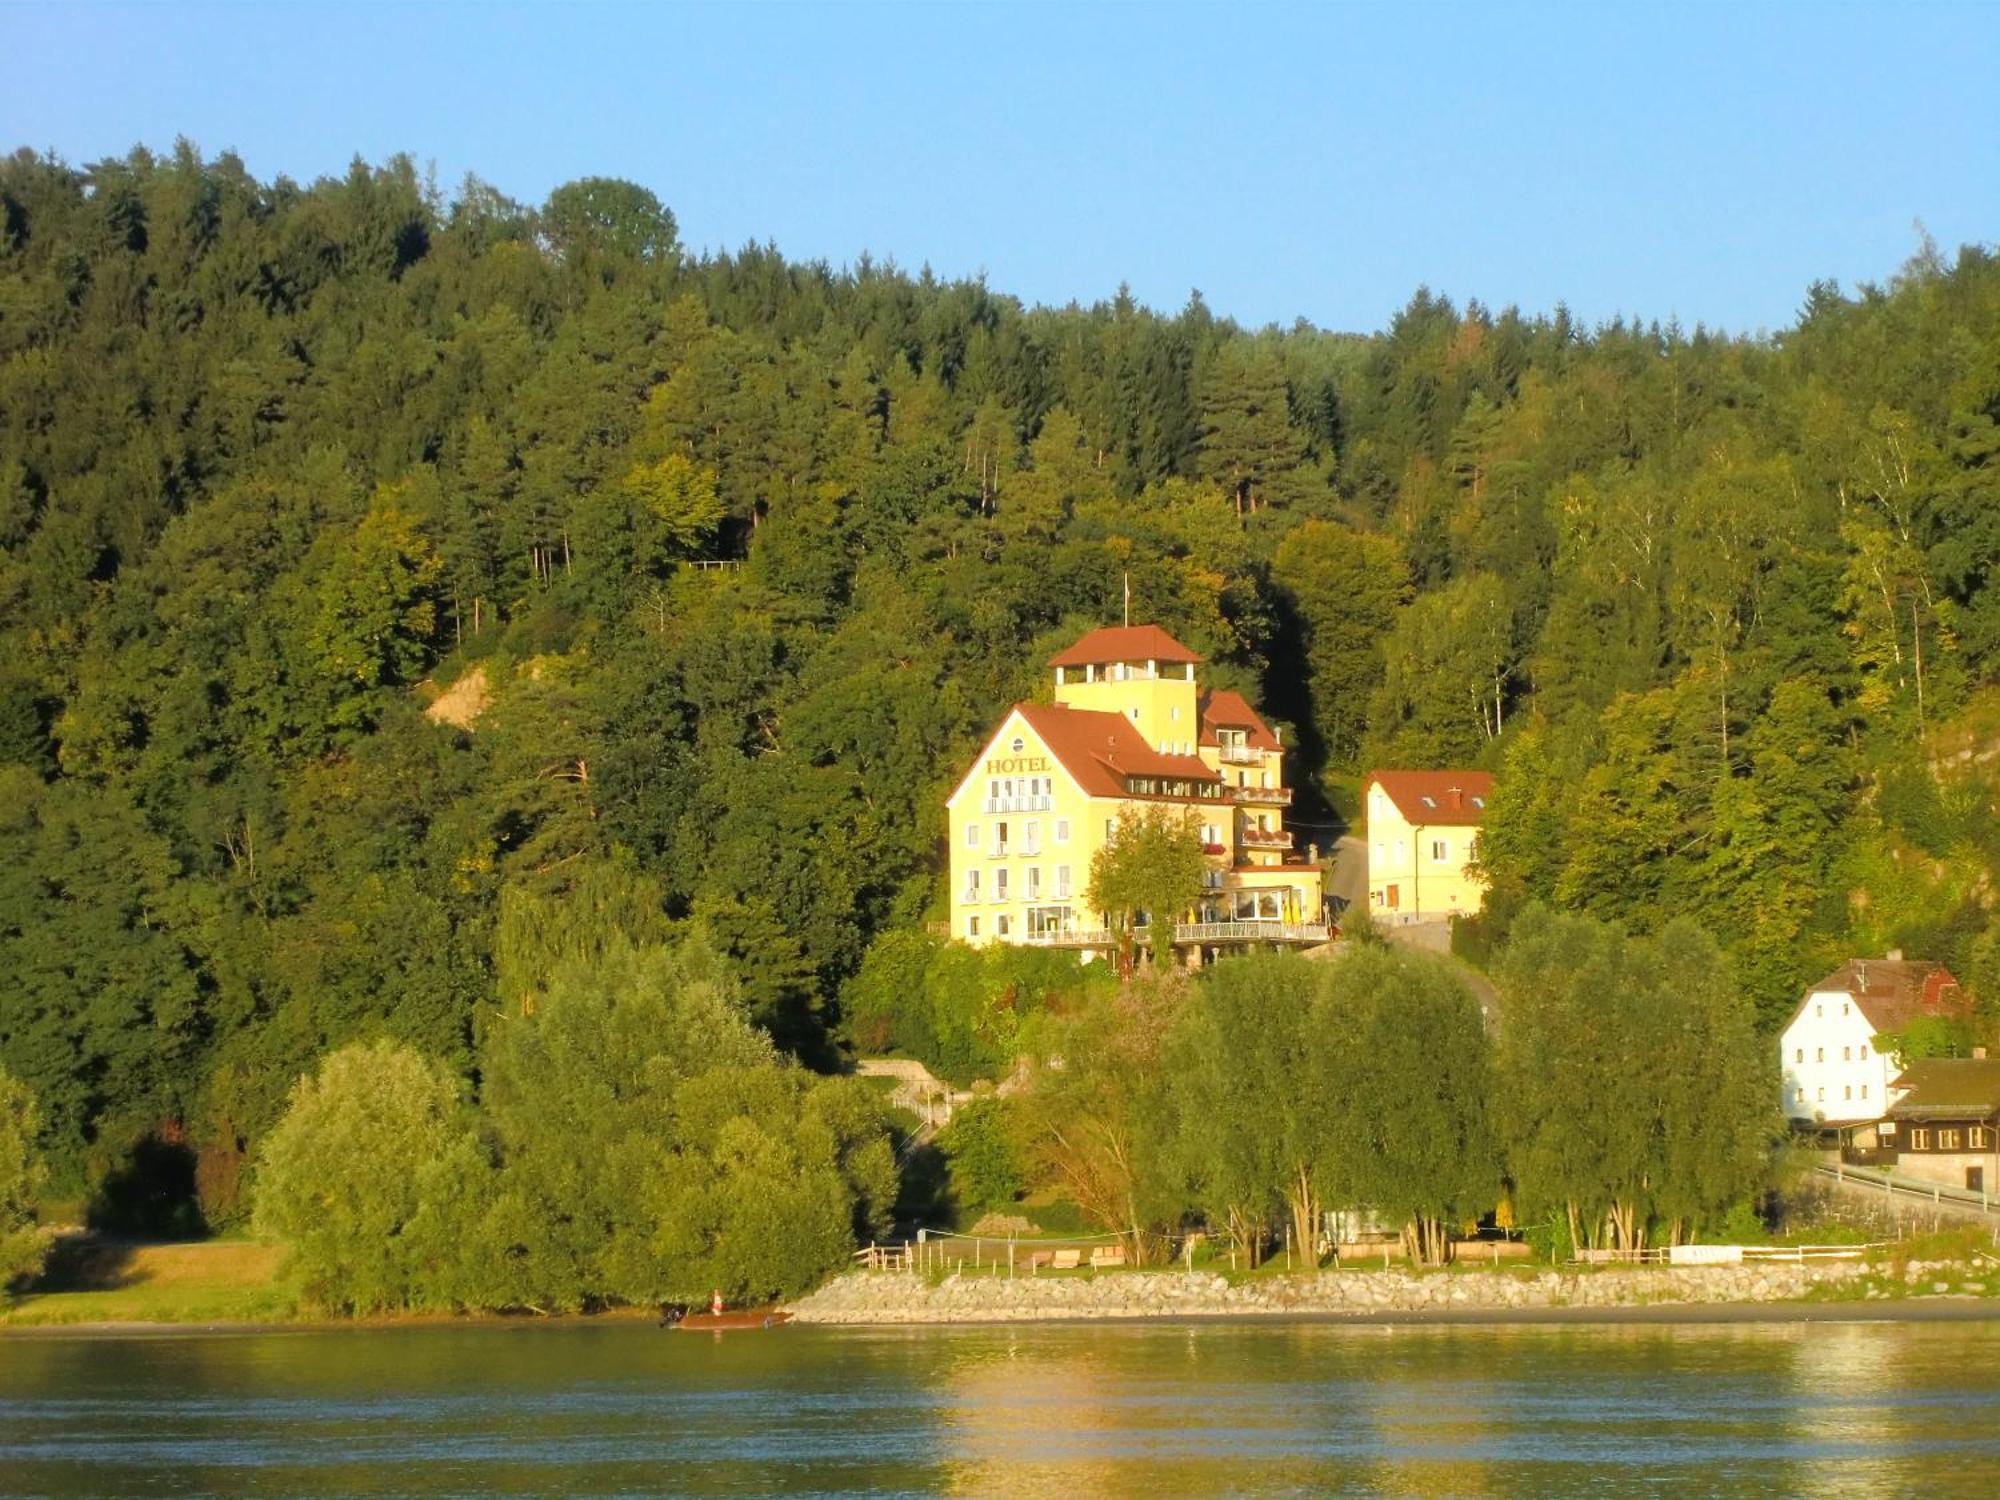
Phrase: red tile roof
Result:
[1222,709]
[1892,992]
[1123,643]
[1099,750]
[1437,799]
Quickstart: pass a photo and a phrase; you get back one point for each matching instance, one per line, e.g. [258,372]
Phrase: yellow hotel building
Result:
[1129,728]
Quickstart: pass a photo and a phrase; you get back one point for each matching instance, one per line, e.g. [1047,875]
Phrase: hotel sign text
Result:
[1012,764]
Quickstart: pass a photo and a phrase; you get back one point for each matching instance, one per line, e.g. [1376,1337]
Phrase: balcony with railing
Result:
[1189,934]
[1265,838]
[1268,796]
[1240,755]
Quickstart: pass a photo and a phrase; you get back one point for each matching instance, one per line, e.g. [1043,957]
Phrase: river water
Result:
[1071,1411]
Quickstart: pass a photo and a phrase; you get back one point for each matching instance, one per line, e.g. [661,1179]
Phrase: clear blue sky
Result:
[1705,162]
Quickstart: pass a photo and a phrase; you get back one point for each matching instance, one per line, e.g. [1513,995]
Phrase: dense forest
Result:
[356,669]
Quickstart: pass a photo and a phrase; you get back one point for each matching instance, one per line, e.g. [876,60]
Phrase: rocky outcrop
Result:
[864,1297]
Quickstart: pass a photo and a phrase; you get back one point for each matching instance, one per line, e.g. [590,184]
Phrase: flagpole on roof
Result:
[1128,599]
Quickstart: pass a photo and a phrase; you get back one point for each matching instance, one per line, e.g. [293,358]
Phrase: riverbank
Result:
[225,1287]
[1843,1288]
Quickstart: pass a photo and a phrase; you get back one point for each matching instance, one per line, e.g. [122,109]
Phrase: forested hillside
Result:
[279,465]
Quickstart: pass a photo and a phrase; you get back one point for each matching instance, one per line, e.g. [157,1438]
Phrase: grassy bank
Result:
[108,1281]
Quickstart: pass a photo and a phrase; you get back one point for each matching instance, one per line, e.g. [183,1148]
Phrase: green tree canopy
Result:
[21,1176]
[342,1176]
[1635,1102]
[1151,867]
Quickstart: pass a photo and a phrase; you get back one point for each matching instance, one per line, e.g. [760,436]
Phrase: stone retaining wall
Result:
[863,1297]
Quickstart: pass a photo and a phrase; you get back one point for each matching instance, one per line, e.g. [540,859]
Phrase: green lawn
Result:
[218,1281]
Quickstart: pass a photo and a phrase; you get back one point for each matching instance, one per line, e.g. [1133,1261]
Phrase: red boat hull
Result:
[748,1318]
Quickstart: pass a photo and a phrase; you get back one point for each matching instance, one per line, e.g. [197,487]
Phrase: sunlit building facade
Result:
[1129,728]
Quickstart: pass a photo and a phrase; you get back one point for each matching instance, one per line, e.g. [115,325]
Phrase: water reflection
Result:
[1071,1411]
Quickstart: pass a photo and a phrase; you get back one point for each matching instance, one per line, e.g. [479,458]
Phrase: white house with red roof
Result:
[1833,1076]
[1422,835]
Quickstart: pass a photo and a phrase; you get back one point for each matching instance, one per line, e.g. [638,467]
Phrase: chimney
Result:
[1454,798]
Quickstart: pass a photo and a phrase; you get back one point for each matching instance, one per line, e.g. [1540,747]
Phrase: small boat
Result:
[747,1317]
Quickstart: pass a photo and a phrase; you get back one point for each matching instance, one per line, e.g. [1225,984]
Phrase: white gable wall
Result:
[1828,1063]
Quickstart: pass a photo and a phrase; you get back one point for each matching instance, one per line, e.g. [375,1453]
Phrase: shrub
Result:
[979,1144]
[959,1010]
[21,1175]
[342,1176]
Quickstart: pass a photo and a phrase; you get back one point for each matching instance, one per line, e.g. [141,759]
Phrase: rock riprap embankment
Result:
[878,1297]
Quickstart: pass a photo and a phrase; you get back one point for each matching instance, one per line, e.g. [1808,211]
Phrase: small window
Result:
[1948,1140]
[1800,1055]
[1018,745]
[1843,1007]
[1850,1092]
[1062,881]
[1847,1054]
[1062,830]
[1819,1054]
[1034,882]
[1819,1009]
[972,927]
[1980,1138]
[999,885]
[1821,1096]
[1864,1091]
[1920,1138]
[1000,925]
[972,835]
[1440,850]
